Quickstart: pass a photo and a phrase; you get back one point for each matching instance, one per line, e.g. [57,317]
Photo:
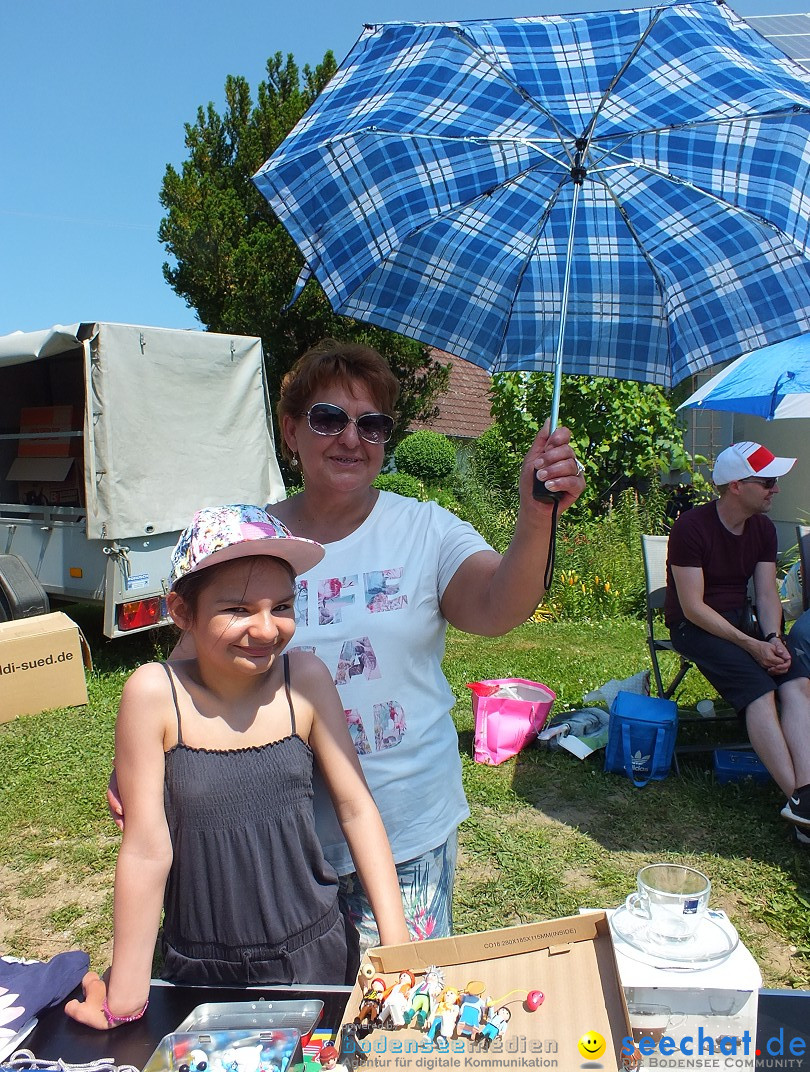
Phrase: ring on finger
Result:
[580,466]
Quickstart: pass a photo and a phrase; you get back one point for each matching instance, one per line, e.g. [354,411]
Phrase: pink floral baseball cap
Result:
[224,533]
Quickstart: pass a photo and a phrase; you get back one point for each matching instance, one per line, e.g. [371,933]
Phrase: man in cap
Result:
[714,550]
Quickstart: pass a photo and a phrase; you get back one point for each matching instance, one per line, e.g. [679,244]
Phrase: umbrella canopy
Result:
[629,189]
[772,383]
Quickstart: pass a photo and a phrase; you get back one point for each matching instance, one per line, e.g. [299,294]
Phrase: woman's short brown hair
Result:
[330,362]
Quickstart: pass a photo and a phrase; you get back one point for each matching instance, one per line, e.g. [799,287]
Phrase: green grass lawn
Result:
[548,833]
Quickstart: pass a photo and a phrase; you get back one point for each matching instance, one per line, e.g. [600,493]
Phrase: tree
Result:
[624,432]
[235,263]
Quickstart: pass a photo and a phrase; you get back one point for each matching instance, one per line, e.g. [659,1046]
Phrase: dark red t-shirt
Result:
[699,538]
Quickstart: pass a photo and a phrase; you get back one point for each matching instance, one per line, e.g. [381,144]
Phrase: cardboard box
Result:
[42,662]
[47,481]
[570,960]
[48,420]
[711,1011]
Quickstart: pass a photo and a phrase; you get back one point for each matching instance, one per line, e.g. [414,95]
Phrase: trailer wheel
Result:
[21,594]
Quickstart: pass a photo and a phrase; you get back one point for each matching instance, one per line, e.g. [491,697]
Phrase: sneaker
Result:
[797,808]
[800,840]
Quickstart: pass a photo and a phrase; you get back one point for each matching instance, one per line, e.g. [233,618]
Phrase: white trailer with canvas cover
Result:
[111,436]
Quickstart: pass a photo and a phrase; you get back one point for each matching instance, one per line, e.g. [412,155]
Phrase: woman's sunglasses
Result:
[325,419]
[766,482]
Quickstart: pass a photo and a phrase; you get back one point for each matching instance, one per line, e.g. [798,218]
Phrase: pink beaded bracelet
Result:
[112,1019]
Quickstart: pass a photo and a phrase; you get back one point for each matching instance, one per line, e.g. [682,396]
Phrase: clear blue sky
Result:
[94,97]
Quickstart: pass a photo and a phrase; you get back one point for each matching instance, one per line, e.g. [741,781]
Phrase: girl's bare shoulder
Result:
[149,680]
[146,693]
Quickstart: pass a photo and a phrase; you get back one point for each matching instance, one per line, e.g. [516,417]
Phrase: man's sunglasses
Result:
[767,482]
[326,419]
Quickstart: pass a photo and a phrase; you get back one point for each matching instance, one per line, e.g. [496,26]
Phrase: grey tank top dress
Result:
[250,899]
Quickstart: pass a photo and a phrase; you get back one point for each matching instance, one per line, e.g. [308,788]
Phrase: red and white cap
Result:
[742,460]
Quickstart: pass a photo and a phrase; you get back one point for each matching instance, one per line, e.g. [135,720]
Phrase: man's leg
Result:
[794,700]
[794,697]
[765,734]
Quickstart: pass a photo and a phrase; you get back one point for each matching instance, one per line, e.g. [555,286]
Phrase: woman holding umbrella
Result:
[376,609]
[396,571]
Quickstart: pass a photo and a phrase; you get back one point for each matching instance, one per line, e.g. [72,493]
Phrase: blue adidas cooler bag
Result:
[641,737]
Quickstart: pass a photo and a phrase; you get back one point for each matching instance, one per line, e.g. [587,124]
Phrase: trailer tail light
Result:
[140,614]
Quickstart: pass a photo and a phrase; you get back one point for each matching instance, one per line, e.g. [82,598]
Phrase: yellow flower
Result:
[607,586]
[543,614]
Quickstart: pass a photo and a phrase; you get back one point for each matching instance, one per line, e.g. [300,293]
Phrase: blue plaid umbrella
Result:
[627,189]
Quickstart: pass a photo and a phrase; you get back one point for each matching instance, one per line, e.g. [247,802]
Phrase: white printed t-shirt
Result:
[370,611]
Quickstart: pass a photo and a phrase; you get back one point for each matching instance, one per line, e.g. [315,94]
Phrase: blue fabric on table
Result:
[29,986]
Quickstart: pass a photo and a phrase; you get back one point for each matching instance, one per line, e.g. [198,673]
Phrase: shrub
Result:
[446,499]
[428,456]
[495,461]
[599,570]
[488,509]
[400,484]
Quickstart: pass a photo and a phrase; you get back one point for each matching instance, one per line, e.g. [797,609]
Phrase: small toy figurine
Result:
[423,997]
[368,1015]
[350,1053]
[328,1058]
[471,1013]
[445,1015]
[495,1025]
[194,1061]
[395,1000]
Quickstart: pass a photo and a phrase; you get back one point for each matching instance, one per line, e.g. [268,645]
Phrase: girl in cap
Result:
[214,756]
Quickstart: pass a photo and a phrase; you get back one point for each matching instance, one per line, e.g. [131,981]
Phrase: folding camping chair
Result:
[654,552]
[803,541]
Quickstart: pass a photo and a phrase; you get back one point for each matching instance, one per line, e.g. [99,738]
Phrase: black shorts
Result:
[738,678]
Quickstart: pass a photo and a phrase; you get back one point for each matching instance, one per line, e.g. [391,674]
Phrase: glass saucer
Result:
[714,939]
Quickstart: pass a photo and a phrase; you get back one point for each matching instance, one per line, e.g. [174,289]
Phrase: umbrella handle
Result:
[540,493]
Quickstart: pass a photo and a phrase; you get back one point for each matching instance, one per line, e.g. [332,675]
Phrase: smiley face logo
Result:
[592,1045]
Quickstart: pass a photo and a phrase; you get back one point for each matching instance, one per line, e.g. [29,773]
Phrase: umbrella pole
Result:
[558,356]
[539,489]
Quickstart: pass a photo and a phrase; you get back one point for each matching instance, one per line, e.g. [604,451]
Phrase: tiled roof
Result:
[464,407]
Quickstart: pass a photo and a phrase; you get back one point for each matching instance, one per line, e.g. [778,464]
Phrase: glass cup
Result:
[672,898]
[648,1021]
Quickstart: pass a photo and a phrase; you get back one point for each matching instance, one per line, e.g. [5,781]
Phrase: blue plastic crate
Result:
[733,765]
